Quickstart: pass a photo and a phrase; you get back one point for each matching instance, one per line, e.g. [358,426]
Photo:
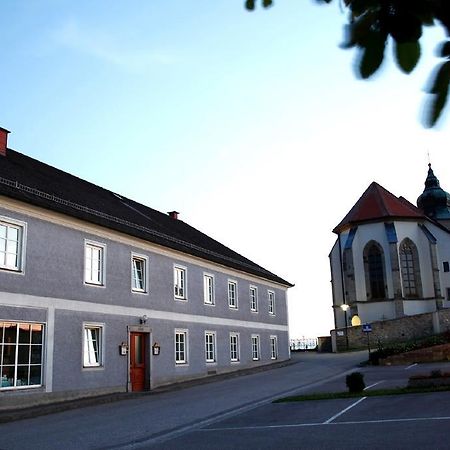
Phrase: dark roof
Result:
[31,181]
[378,203]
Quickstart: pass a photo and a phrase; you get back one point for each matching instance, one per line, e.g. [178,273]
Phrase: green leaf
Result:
[444,49]
[407,55]
[372,55]
[267,3]
[250,5]
[436,105]
[441,79]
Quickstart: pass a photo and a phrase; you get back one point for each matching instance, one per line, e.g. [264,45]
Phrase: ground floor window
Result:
[92,346]
[210,346]
[234,347]
[21,348]
[255,347]
[181,338]
[273,347]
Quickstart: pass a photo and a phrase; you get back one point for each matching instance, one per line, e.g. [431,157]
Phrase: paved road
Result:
[157,418]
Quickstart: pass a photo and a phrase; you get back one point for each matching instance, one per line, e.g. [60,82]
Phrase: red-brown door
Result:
[137,361]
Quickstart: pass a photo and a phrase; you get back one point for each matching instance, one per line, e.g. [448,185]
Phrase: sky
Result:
[252,125]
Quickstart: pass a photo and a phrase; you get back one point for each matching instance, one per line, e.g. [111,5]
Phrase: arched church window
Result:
[374,270]
[409,261]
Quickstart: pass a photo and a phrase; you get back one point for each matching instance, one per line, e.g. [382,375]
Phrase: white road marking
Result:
[412,365]
[372,385]
[316,424]
[344,410]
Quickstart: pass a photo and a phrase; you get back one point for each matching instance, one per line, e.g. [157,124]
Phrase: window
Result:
[409,260]
[210,346]
[255,347]
[232,294]
[21,348]
[11,245]
[271,295]
[374,271]
[138,273]
[208,289]
[179,282]
[181,346]
[273,347]
[234,347]
[446,266]
[92,346]
[253,299]
[94,264]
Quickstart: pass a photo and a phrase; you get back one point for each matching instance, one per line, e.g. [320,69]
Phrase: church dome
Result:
[434,201]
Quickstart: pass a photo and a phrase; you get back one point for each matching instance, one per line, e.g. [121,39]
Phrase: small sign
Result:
[367,328]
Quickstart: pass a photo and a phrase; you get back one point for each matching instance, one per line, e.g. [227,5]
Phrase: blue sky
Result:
[252,125]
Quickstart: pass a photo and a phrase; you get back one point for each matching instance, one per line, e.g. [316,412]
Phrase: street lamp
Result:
[345,308]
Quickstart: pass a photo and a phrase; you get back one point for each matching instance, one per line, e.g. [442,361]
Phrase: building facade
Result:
[391,258]
[101,294]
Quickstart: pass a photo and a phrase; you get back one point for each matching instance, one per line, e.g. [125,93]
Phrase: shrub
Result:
[355,382]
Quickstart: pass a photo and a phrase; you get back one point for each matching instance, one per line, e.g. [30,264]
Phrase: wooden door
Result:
[137,361]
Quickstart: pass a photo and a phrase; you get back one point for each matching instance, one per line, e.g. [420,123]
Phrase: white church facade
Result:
[391,259]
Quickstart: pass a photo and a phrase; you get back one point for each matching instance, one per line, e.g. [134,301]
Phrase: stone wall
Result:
[392,331]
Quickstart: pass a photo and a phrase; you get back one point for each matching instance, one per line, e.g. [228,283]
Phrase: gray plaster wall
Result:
[54,267]
[54,271]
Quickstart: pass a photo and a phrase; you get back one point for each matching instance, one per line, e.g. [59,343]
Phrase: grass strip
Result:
[368,393]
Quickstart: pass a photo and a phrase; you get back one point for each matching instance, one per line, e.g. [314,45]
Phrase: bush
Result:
[355,382]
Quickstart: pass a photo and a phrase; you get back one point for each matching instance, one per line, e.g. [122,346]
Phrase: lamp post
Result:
[345,308]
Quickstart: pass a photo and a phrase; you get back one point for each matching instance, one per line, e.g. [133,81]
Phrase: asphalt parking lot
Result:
[413,421]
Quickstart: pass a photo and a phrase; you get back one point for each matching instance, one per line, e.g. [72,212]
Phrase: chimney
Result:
[3,141]
[173,214]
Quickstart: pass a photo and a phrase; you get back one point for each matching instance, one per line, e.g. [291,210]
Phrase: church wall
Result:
[412,307]
[443,254]
[336,285]
[374,311]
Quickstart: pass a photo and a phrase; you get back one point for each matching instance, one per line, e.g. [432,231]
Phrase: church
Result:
[391,259]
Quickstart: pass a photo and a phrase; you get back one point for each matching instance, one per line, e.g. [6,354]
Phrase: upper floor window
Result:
[139,273]
[94,264]
[92,345]
[271,295]
[374,271]
[232,294]
[179,282]
[11,245]
[253,298]
[210,346]
[409,261]
[181,346]
[208,289]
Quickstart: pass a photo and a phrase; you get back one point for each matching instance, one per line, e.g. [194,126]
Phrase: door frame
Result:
[148,356]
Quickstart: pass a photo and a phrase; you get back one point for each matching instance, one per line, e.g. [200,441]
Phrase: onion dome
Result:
[434,201]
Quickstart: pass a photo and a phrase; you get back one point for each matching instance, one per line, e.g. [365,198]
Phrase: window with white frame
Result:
[208,289]
[271,295]
[179,282]
[11,245]
[92,345]
[273,347]
[94,263]
[138,273]
[234,347]
[21,354]
[181,342]
[255,347]
[210,346]
[253,299]
[232,294]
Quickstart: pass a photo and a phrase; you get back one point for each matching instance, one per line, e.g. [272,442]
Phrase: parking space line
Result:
[344,410]
[409,367]
[316,424]
[372,385]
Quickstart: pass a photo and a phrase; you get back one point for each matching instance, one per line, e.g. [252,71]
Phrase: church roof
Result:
[378,203]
